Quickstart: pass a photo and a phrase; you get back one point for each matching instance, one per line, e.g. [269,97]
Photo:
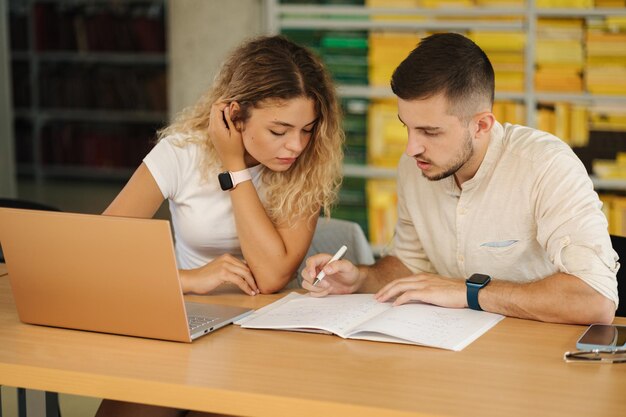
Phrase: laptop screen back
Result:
[91,272]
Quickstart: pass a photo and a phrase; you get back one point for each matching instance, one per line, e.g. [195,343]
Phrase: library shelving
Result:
[550,58]
[89,85]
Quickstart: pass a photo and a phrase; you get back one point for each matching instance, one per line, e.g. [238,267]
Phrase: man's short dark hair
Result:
[451,64]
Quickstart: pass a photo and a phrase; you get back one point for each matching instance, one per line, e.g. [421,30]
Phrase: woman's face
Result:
[278,132]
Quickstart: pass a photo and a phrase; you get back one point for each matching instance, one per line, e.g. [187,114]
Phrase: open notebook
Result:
[360,316]
[102,273]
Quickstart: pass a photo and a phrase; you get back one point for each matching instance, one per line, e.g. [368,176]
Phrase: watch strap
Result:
[472,296]
[240,176]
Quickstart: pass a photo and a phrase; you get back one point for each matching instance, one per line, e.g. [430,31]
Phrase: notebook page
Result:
[425,324]
[275,304]
[336,313]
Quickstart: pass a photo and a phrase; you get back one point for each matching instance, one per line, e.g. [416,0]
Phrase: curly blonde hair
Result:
[262,70]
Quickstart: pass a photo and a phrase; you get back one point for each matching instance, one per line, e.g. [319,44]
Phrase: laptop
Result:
[102,273]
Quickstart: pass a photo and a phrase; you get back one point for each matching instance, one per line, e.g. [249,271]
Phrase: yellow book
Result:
[616,23]
[558,51]
[386,51]
[446,3]
[545,119]
[617,221]
[563,79]
[579,125]
[500,3]
[565,4]
[382,202]
[499,41]
[507,81]
[498,111]
[562,121]
[610,3]
[515,113]
[386,137]
[609,122]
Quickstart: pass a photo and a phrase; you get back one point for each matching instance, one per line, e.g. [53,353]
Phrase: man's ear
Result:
[235,115]
[484,123]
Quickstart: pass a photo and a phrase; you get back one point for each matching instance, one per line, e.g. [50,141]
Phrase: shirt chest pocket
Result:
[511,248]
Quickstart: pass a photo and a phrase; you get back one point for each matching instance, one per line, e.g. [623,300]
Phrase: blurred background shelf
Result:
[560,67]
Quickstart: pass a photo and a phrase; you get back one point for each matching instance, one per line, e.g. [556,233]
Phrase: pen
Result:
[342,250]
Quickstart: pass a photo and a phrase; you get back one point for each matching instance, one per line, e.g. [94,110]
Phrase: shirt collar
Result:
[494,150]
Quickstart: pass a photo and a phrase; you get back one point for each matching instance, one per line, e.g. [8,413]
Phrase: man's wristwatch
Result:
[474,284]
[229,180]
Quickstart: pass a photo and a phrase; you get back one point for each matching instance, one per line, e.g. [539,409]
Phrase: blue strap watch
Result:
[474,284]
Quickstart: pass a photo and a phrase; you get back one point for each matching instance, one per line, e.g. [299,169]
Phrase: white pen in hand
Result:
[342,250]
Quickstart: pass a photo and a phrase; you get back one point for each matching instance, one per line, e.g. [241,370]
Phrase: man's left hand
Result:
[427,288]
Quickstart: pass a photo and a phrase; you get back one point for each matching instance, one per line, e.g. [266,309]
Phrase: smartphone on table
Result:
[604,337]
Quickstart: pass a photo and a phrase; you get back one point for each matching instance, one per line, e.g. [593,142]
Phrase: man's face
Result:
[440,143]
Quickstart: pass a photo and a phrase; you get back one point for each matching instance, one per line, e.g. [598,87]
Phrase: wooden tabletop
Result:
[515,369]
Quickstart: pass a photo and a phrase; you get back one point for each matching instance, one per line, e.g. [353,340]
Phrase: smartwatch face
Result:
[226,182]
[479,279]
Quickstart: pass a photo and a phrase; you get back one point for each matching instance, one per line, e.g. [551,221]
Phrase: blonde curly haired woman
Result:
[247,169]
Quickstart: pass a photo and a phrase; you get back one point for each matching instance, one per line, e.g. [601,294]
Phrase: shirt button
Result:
[462,210]
[461,258]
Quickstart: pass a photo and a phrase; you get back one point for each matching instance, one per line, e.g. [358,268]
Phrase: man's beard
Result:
[464,155]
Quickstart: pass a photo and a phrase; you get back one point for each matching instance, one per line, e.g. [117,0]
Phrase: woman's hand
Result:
[342,277]
[225,268]
[226,138]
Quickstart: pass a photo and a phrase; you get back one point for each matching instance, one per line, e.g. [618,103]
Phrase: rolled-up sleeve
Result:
[571,225]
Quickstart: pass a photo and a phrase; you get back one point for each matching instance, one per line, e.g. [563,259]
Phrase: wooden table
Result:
[515,369]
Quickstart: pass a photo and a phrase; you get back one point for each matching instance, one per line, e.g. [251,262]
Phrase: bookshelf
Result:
[89,85]
[536,102]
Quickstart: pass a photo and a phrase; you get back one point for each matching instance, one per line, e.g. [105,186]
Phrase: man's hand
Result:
[342,277]
[427,288]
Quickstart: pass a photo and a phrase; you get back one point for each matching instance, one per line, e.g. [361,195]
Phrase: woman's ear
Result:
[235,115]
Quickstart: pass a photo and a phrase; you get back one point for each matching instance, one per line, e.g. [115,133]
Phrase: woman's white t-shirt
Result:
[202,214]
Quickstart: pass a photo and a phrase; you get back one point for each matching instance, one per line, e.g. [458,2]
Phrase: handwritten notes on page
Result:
[360,316]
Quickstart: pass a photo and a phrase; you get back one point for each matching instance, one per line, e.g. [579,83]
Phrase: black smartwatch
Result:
[229,180]
[474,284]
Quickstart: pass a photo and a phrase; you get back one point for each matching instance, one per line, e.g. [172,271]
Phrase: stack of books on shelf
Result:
[386,51]
[606,55]
[95,146]
[386,136]
[90,86]
[564,4]
[345,55]
[510,112]
[88,26]
[382,202]
[614,207]
[355,128]
[506,53]
[608,118]
[568,121]
[559,55]
[352,203]
[610,3]
[99,71]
